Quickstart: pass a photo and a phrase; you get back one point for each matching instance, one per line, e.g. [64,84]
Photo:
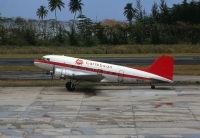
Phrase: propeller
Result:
[53,72]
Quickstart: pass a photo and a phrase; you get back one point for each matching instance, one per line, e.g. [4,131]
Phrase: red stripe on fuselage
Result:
[90,69]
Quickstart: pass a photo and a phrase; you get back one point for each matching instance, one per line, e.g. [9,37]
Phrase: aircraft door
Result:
[121,76]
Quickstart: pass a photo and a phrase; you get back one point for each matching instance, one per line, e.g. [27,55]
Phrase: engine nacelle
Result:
[62,73]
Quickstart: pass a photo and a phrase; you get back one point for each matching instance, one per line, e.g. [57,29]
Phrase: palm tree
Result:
[129,12]
[155,12]
[42,12]
[56,4]
[74,6]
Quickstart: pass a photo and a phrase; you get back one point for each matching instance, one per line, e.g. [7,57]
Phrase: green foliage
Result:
[179,24]
[139,11]
[129,12]
[75,5]
[85,31]
[73,39]
[186,12]
[29,37]
[164,12]
[155,34]
[42,12]
[99,32]
[56,4]
[155,12]
[61,37]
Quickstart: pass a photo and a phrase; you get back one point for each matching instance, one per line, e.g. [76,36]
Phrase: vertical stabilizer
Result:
[163,66]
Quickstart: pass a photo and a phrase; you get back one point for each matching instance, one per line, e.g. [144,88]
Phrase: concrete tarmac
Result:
[100,112]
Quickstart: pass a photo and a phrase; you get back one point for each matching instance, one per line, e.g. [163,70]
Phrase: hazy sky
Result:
[100,9]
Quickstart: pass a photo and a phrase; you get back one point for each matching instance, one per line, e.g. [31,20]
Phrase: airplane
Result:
[77,69]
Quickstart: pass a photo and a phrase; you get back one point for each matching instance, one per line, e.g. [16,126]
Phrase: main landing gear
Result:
[153,87]
[70,86]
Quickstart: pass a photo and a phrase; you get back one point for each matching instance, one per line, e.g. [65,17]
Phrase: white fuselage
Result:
[109,72]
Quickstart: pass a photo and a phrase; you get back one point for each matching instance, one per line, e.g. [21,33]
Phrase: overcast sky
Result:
[95,9]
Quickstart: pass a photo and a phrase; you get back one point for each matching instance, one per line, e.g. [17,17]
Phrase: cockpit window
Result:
[47,59]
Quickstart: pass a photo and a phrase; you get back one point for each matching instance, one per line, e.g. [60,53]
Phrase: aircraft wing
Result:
[77,75]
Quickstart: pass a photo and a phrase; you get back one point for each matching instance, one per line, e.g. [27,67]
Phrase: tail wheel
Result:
[70,86]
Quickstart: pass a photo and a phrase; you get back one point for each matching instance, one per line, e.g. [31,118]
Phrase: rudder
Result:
[163,66]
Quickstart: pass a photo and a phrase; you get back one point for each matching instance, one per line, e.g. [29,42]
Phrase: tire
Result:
[70,86]
[153,87]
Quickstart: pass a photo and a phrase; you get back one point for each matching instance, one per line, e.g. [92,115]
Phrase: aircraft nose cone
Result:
[35,62]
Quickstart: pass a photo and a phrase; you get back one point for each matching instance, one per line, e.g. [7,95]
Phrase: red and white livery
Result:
[76,69]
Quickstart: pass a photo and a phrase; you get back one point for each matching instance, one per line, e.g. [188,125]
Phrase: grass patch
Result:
[187,70]
[37,56]
[100,51]
[19,68]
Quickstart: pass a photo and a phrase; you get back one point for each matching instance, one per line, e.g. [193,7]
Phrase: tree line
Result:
[164,25]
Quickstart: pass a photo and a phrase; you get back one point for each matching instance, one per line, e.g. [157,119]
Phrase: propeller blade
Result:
[53,72]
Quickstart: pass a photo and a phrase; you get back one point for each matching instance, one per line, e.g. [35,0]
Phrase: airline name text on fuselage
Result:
[91,63]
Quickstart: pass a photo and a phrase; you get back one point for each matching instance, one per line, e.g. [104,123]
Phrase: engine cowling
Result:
[76,75]
[62,73]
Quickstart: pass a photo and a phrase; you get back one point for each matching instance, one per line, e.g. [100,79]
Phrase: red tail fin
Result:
[163,66]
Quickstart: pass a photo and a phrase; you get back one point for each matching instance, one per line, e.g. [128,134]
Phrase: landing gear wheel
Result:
[153,86]
[70,86]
